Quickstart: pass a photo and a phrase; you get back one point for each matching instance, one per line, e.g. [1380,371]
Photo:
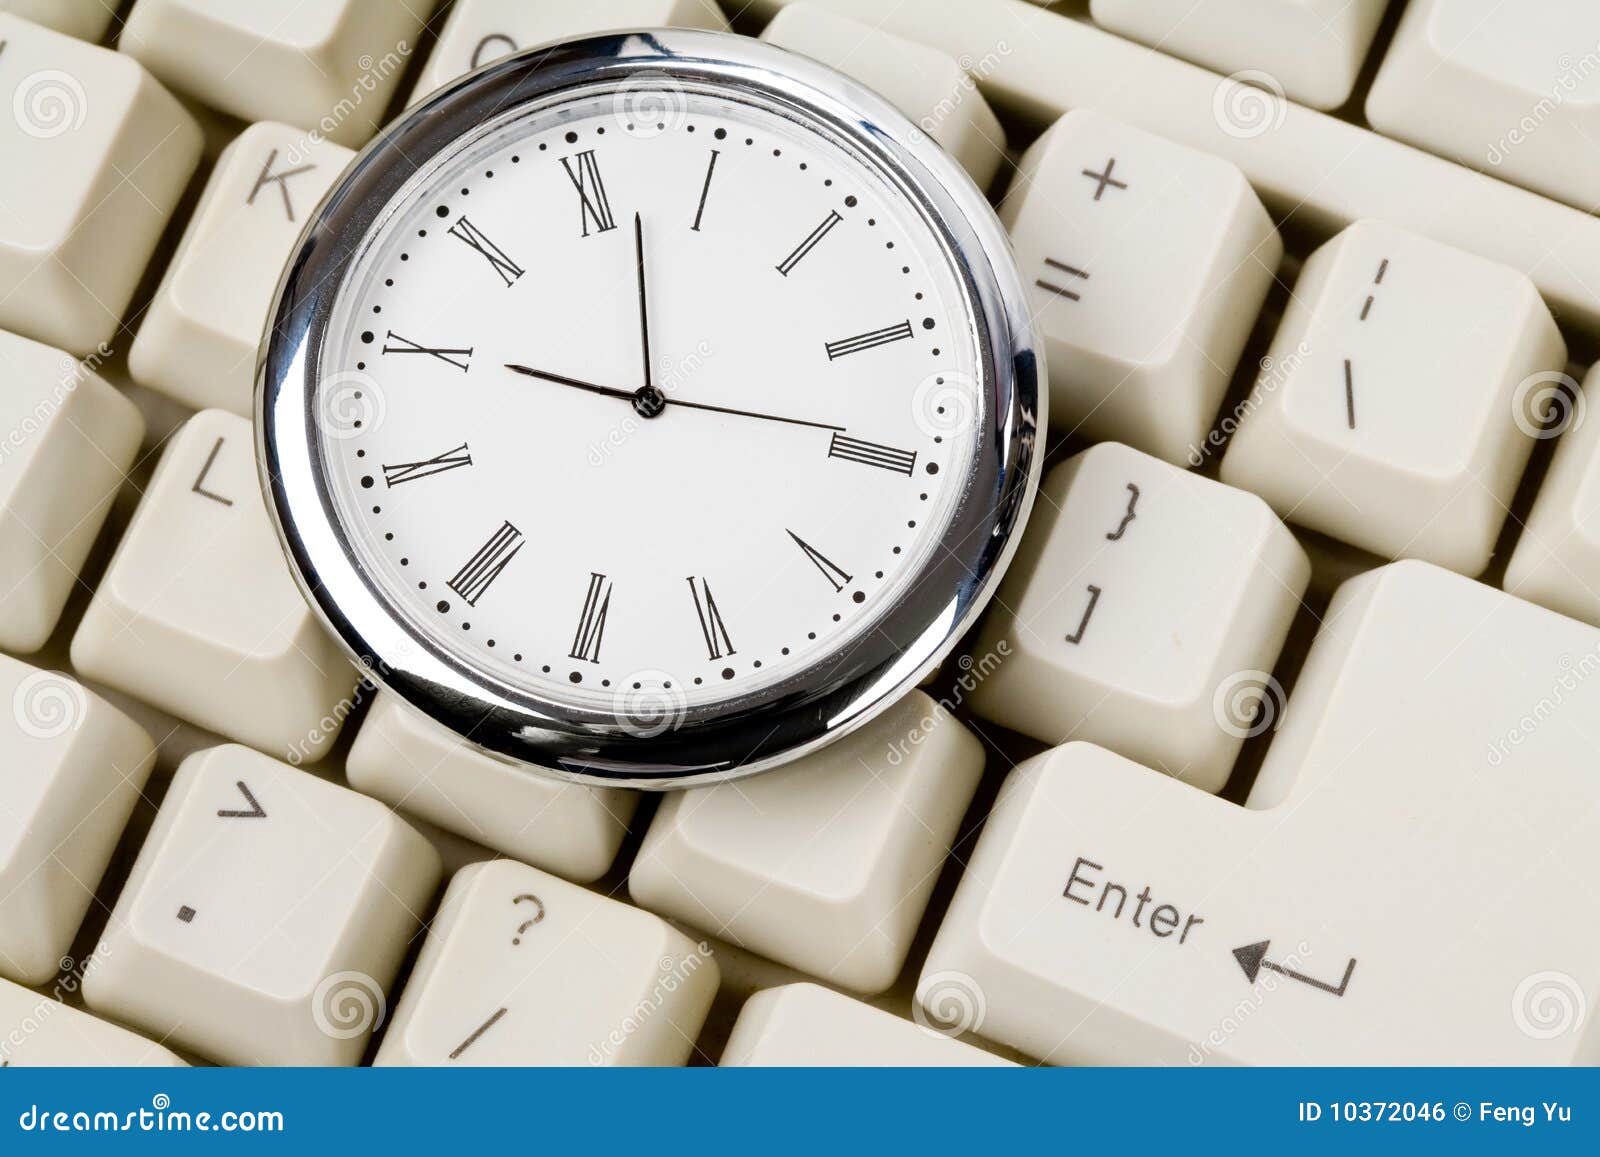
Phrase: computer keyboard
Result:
[1217,779]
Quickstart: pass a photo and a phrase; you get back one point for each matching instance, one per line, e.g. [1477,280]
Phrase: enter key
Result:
[1407,884]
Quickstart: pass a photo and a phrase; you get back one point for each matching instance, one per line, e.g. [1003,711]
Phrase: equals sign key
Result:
[1069,270]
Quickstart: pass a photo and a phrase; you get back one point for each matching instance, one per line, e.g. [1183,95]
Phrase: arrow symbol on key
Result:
[1253,958]
[256,812]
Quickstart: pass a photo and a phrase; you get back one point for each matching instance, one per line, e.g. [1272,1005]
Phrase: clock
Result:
[650,408]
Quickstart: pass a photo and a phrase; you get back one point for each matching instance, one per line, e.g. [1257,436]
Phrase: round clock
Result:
[650,408]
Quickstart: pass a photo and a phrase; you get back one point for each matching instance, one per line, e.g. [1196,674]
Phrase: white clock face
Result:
[649,392]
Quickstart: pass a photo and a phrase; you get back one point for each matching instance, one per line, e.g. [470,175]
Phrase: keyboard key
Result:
[1102,216]
[197,613]
[329,67]
[826,865]
[41,1032]
[68,439]
[481,31]
[1388,416]
[523,968]
[1511,90]
[84,19]
[1557,558]
[1097,635]
[73,767]
[265,917]
[199,337]
[1324,172]
[1311,49]
[806,1025]
[925,84]
[96,155]
[410,762]
[1399,891]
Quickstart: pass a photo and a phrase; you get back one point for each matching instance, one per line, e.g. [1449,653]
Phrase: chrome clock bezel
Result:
[748,732]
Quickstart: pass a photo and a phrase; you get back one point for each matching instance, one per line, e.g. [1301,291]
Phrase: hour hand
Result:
[576,383]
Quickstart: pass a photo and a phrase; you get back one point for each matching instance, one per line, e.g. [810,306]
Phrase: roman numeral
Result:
[831,571]
[705,189]
[472,580]
[592,623]
[866,341]
[455,357]
[464,230]
[438,464]
[718,644]
[872,454]
[810,243]
[593,204]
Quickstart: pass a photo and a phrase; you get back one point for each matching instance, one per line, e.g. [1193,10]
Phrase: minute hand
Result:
[671,403]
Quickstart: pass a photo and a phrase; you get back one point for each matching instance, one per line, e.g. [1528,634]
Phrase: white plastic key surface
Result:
[1144,612]
[266,916]
[96,155]
[1310,49]
[924,83]
[198,339]
[41,1032]
[1323,172]
[1557,560]
[523,968]
[84,19]
[71,769]
[481,31]
[806,1025]
[1389,415]
[198,615]
[1511,89]
[1147,263]
[410,762]
[826,865]
[66,440]
[1406,886]
[328,67]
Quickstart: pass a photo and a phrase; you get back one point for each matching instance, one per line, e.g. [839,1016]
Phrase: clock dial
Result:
[674,393]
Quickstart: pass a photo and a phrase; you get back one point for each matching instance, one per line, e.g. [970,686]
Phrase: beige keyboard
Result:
[1278,746]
